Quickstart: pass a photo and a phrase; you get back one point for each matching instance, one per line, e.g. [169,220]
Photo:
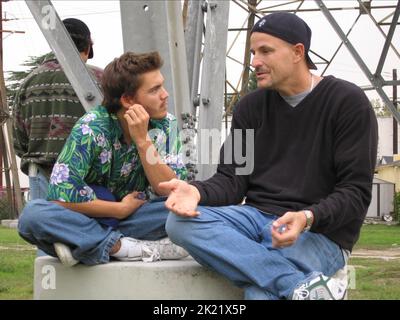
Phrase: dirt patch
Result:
[387,281]
[18,248]
[386,254]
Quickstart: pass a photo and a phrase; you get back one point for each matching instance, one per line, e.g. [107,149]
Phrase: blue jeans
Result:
[43,223]
[38,186]
[235,241]
[38,190]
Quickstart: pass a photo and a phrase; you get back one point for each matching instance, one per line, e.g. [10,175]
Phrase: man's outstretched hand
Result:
[183,198]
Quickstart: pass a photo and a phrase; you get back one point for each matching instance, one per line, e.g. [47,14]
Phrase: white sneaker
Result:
[150,251]
[64,254]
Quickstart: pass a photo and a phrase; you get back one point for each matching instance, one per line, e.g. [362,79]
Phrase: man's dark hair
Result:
[80,35]
[123,76]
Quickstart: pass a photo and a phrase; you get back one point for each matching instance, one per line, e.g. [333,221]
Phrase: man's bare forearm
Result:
[156,171]
[97,208]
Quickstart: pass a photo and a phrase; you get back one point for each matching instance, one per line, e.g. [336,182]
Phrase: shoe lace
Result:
[301,293]
[150,254]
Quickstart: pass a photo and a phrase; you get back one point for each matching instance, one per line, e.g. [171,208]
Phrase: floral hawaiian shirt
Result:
[95,154]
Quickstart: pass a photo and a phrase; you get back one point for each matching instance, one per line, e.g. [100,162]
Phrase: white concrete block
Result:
[14,225]
[174,279]
[9,223]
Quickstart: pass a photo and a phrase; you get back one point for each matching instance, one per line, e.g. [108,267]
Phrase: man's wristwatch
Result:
[309,220]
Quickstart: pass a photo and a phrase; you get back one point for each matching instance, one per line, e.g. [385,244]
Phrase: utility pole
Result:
[7,150]
[1,59]
[395,125]
[246,60]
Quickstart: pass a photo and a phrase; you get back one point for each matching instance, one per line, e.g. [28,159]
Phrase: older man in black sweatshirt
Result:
[315,144]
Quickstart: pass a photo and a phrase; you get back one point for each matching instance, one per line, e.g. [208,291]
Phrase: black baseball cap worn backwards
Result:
[288,27]
[78,30]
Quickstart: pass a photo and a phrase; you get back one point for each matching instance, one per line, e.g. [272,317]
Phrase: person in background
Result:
[109,169]
[45,109]
[315,146]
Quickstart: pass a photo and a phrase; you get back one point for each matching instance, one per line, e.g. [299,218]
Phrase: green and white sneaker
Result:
[321,288]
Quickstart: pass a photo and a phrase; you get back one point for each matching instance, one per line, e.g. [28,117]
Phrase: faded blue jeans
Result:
[235,241]
[43,223]
[38,186]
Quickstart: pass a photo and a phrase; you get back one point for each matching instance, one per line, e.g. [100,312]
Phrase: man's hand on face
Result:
[138,122]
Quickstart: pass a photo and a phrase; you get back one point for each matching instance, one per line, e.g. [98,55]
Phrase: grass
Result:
[16,266]
[379,236]
[376,279]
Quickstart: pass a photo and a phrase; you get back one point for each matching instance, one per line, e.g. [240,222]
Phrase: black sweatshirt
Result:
[319,155]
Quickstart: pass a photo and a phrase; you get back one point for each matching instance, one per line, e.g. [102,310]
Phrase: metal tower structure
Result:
[370,9]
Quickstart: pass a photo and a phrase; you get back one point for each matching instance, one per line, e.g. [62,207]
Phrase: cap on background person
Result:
[288,27]
[80,34]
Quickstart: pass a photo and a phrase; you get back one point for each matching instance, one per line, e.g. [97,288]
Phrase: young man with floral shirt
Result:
[112,162]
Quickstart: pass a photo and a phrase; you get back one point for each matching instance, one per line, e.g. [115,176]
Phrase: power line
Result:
[77,14]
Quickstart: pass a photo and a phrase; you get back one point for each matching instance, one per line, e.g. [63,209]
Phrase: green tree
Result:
[15,78]
[233,99]
[380,109]
[252,84]
[397,207]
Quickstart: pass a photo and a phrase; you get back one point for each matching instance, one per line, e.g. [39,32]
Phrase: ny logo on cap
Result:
[261,23]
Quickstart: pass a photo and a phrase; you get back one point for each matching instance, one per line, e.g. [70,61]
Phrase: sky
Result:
[103,18]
